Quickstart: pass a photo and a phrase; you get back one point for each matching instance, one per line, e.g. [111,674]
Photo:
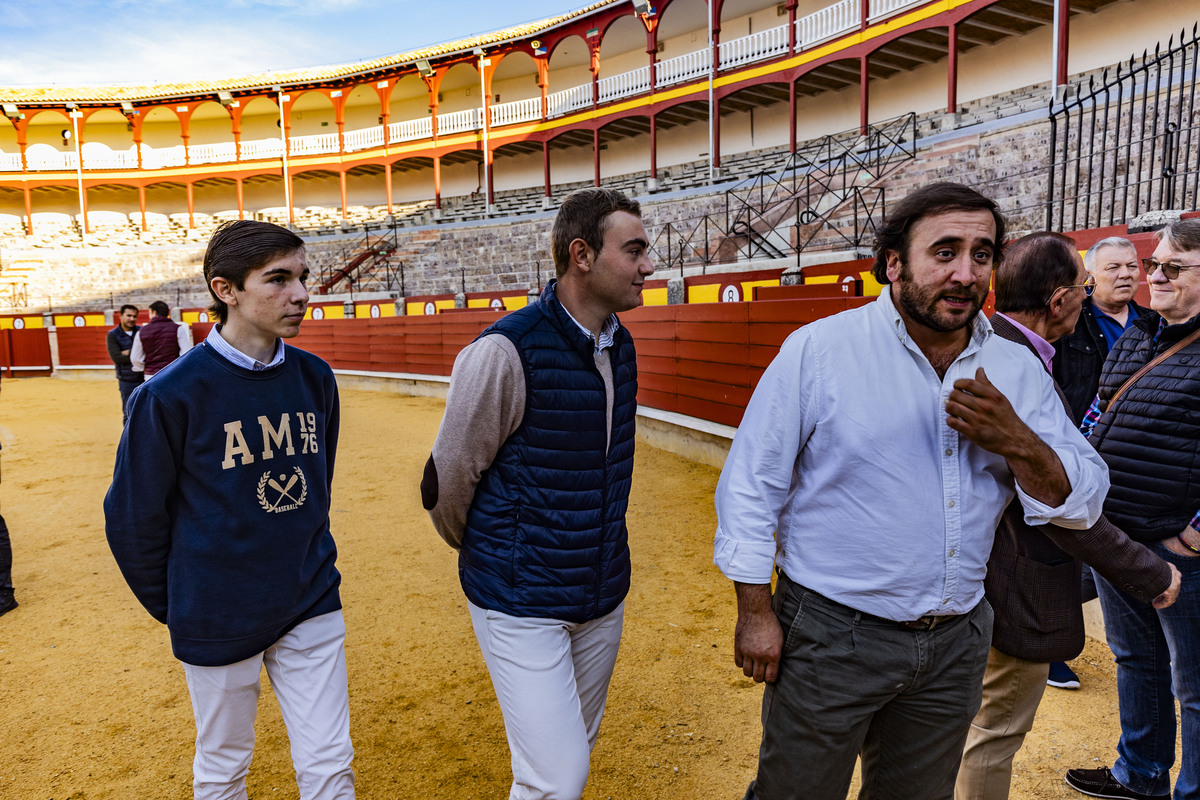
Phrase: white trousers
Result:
[551,679]
[307,669]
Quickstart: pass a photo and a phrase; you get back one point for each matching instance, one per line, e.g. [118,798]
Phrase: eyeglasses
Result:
[1088,287]
[1170,271]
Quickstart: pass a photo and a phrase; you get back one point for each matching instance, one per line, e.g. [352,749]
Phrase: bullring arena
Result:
[93,705]
[765,142]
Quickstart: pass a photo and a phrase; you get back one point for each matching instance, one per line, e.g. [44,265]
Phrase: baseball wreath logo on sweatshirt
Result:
[277,495]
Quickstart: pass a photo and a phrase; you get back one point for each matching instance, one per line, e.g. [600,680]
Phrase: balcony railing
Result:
[828,23]
[204,154]
[568,100]
[625,85]
[420,128]
[262,148]
[755,47]
[525,110]
[309,145]
[364,139]
[459,121]
[680,69]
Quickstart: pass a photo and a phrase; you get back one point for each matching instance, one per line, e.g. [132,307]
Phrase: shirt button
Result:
[952,554]
[949,452]
[952,504]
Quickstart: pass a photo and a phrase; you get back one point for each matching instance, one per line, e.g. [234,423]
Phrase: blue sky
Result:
[74,43]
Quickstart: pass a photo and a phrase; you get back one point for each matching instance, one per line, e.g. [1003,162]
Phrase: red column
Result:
[546,165]
[387,184]
[952,72]
[596,153]
[437,182]
[342,186]
[191,207]
[863,94]
[240,200]
[28,212]
[1064,38]
[142,205]
[792,116]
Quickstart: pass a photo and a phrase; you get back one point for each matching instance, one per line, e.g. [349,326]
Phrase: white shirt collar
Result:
[231,353]
[607,331]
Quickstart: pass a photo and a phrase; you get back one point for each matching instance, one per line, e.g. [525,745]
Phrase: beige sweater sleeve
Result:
[485,405]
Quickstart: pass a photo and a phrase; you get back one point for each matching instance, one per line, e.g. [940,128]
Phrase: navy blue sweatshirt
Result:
[218,513]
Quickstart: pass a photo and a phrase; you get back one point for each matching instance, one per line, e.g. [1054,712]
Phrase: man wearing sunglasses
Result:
[1145,424]
[1033,577]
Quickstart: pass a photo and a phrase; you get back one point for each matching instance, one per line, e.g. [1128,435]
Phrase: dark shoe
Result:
[1101,783]
[1062,677]
[7,605]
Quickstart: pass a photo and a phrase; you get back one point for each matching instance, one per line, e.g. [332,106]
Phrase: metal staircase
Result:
[826,195]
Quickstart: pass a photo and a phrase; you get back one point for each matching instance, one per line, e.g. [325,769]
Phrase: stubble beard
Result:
[919,303]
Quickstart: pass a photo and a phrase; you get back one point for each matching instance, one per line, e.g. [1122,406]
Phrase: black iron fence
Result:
[365,263]
[1128,142]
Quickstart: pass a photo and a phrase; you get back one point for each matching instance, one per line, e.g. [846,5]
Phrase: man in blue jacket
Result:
[120,344]
[529,480]
[218,516]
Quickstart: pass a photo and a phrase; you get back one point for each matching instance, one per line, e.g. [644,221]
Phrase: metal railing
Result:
[1127,143]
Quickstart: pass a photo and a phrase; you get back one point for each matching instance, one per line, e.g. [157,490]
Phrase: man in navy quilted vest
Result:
[529,480]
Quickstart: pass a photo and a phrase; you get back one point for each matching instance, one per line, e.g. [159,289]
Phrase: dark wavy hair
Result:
[935,198]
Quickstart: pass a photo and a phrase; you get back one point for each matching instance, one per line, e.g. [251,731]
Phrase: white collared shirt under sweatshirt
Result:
[880,505]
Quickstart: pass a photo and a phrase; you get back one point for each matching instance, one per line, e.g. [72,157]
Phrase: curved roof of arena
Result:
[127,92]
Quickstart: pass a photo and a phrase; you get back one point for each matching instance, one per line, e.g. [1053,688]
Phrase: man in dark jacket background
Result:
[529,480]
[1106,314]
[120,344]
[1032,578]
[158,342]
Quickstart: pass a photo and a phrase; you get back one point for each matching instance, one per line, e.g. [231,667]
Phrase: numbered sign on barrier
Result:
[318,313]
[375,312]
[731,293]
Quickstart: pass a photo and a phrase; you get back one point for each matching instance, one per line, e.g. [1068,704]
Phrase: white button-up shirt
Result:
[844,463]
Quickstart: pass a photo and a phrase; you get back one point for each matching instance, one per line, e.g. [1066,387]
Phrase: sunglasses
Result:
[1170,271]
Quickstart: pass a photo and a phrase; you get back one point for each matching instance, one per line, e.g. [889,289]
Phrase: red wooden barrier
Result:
[82,346]
[26,350]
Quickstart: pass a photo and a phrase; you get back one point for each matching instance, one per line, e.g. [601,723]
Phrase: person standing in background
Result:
[120,345]
[158,342]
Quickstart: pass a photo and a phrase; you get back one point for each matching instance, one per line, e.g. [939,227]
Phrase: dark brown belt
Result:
[927,622]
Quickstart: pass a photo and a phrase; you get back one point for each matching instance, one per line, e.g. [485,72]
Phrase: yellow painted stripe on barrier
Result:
[654,297]
[704,293]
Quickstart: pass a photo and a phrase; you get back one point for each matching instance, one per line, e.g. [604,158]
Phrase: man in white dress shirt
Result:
[871,469]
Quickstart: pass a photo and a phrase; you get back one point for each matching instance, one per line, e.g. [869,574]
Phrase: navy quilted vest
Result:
[546,534]
[1151,442]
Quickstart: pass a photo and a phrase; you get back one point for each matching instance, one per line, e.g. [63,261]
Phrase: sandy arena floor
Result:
[92,705]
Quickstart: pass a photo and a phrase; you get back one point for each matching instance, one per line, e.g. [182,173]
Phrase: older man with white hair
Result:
[1079,356]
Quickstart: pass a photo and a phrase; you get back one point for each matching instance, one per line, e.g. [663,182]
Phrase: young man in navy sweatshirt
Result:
[218,516]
